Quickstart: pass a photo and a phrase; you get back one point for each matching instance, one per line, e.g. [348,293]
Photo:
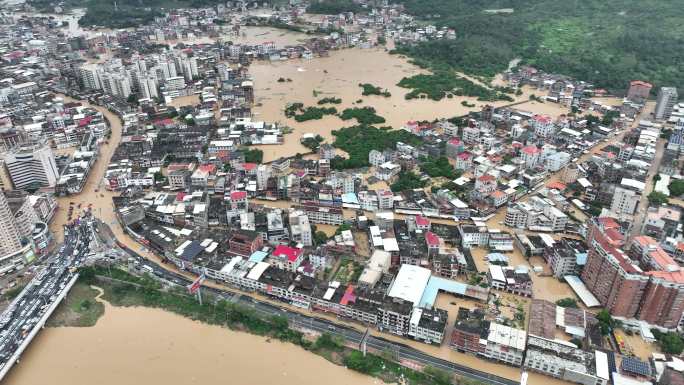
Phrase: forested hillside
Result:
[607,42]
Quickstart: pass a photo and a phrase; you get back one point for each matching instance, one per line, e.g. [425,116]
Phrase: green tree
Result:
[567,302]
[657,198]
[676,187]
[328,342]
[606,322]
[253,155]
[670,342]
[341,228]
[407,181]
[320,237]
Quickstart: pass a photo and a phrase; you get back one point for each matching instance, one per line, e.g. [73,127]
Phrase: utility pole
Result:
[364,345]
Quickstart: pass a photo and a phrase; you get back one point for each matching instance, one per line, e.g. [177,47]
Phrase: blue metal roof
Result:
[258,256]
[435,284]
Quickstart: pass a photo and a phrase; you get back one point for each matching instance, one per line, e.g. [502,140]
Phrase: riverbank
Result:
[145,295]
[141,345]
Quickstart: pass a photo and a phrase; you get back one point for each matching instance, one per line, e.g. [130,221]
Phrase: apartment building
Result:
[646,284]
[32,165]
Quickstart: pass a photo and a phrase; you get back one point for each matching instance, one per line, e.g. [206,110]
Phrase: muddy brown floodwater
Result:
[151,346]
[339,75]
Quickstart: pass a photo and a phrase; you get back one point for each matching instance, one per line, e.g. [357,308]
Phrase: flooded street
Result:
[150,346]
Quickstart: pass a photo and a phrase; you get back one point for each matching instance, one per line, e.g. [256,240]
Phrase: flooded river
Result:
[151,346]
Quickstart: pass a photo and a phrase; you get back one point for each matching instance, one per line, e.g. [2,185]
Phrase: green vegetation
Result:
[364,115]
[609,117]
[313,143]
[12,293]
[385,368]
[577,342]
[442,84]
[342,227]
[330,100]
[567,302]
[333,7]
[301,114]
[320,237]
[275,23]
[606,322]
[135,291]
[657,198]
[369,89]
[349,271]
[360,140]
[676,187]
[127,16]
[407,181]
[79,308]
[607,43]
[536,98]
[327,342]
[253,155]
[670,342]
[595,209]
[439,167]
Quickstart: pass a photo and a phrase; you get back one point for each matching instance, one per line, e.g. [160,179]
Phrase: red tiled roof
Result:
[640,83]
[486,178]
[422,221]
[431,239]
[557,185]
[238,195]
[177,166]
[290,253]
[463,155]
[249,166]
[208,168]
[543,119]
[530,150]
[165,122]
[85,121]
[348,296]
[498,194]
[676,276]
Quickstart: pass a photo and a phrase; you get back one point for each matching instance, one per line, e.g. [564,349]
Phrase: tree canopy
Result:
[607,43]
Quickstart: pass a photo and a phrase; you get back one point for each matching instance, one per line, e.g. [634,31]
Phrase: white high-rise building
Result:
[667,98]
[262,174]
[148,88]
[189,67]
[10,241]
[625,200]
[32,165]
[90,77]
[300,228]
[175,83]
